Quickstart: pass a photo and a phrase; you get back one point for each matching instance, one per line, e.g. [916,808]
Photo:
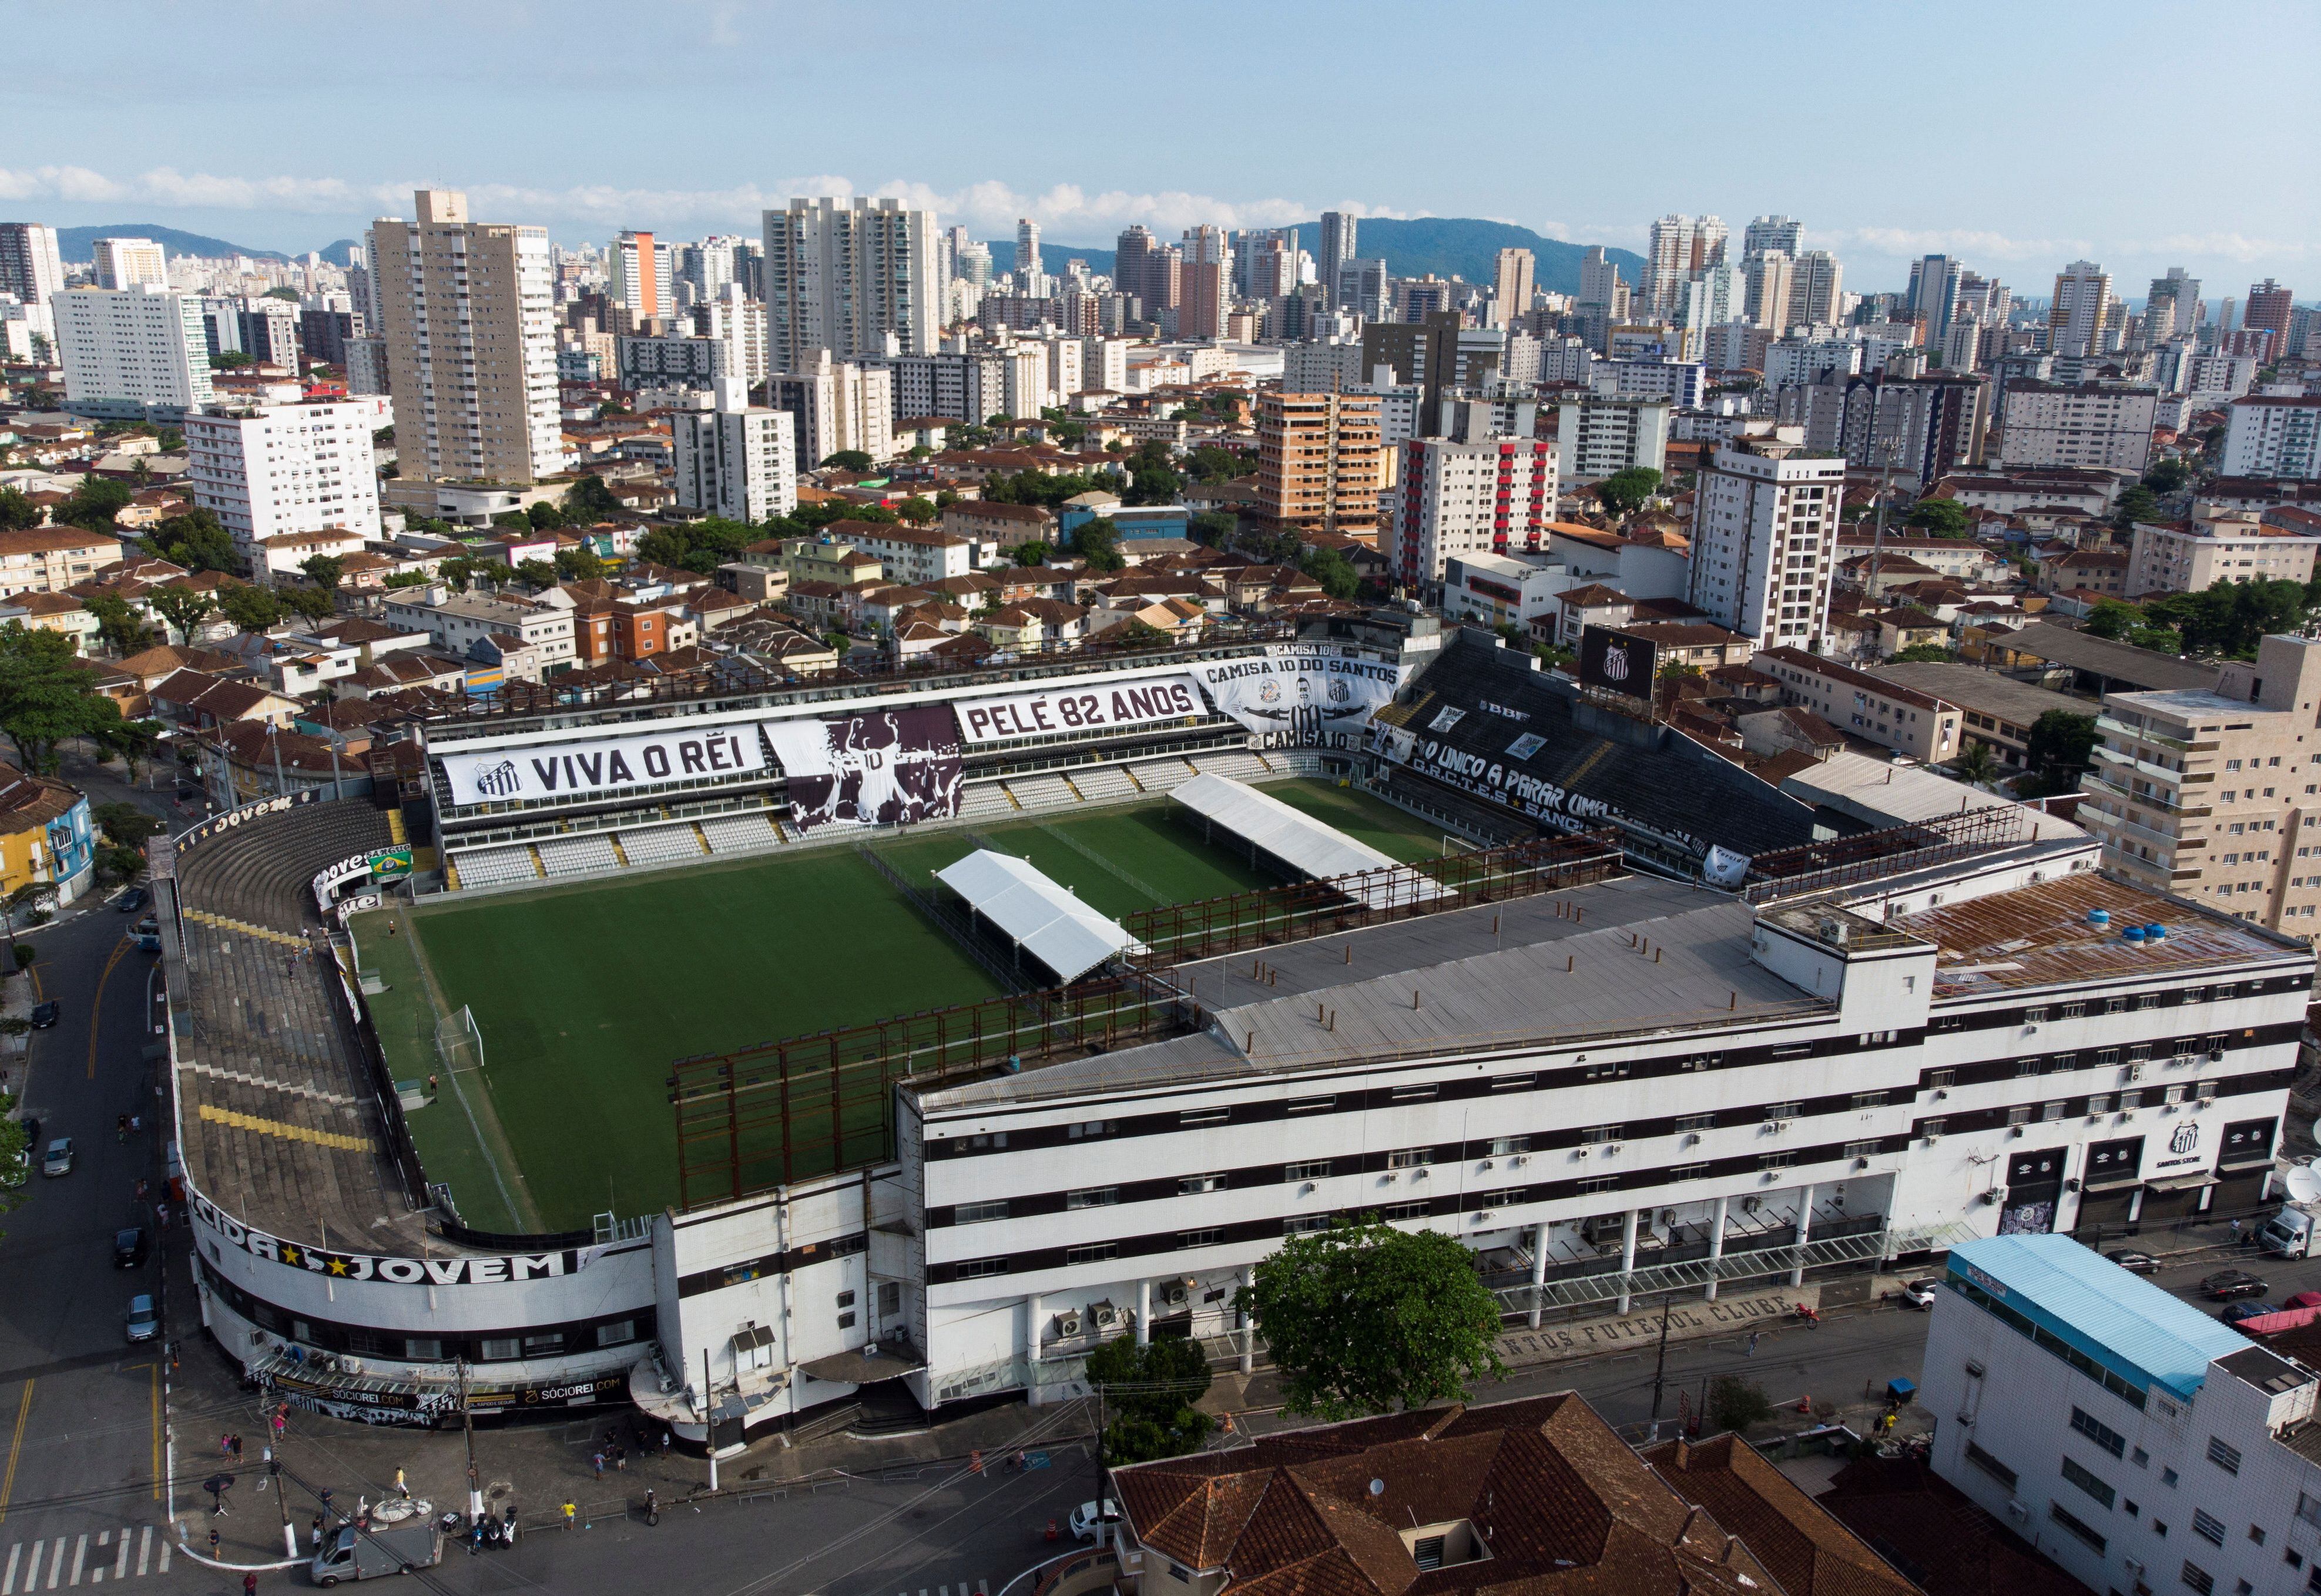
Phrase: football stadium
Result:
[778,1048]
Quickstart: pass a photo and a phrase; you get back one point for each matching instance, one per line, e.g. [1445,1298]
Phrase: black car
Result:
[133,900]
[44,1015]
[2226,1284]
[2135,1263]
[32,1132]
[129,1248]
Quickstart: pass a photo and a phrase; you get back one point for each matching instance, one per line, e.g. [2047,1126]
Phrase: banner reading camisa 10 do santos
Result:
[1303,695]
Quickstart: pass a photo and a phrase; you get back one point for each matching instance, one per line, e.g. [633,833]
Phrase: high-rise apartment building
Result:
[467,322]
[1765,540]
[1030,274]
[1511,287]
[2273,435]
[1599,279]
[1817,288]
[2076,316]
[1338,228]
[1133,254]
[141,346]
[735,460]
[2210,794]
[2173,307]
[1600,435]
[642,276]
[30,267]
[1680,249]
[1206,299]
[1768,233]
[1491,495]
[2102,425]
[840,406]
[1319,462]
[284,471]
[2269,307]
[1933,298]
[130,263]
[1770,276]
[848,275]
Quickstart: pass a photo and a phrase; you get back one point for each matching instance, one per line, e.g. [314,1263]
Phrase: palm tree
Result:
[1977,764]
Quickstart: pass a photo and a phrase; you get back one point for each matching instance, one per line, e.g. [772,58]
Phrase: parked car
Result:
[2134,1262]
[2227,1285]
[2304,1300]
[44,1015]
[143,1322]
[133,900]
[57,1159]
[2238,1311]
[129,1248]
[150,926]
[1920,1293]
[32,1124]
[1084,1519]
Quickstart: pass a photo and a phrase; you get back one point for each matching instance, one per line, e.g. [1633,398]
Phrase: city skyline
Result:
[526,152]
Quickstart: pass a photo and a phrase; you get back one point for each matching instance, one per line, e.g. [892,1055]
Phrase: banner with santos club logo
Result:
[1303,695]
[603,764]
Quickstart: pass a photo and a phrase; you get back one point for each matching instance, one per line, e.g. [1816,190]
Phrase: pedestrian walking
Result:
[430,1086]
[620,1458]
[570,1512]
[250,1584]
[2236,1232]
[213,1543]
[597,1462]
[1755,1337]
[237,1448]
[665,1436]
[401,1488]
[314,1533]
[652,1508]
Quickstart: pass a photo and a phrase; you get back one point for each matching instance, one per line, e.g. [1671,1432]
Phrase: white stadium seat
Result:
[495,867]
[740,834]
[578,855]
[661,845]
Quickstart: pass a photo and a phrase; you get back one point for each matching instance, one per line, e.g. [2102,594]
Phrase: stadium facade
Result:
[1604,1074]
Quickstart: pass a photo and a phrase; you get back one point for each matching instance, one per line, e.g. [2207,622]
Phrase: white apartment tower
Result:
[1030,276]
[1816,285]
[142,346]
[1599,434]
[850,276]
[2273,435]
[735,461]
[1768,233]
[2076,316]
[642,275]
[466,323]
[840,406]
[1681,248]
[1494,496]
[1511,287]
[30,267]
[130,263]
[281,470]
[1765,540]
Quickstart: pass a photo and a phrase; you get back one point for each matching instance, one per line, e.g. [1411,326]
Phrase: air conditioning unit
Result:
[2019,1512]
[1178,1294]
[1518,1158]
[2132,1567]
[1581,1152]
[1994,1196]
[2134,1072]
[1932,1137]
[1067,1325]
[1106,1317]
[1486,1163]
[1966,1417]
[1308,1186]
[2215,1056]
[1776,1126]
[352,1365]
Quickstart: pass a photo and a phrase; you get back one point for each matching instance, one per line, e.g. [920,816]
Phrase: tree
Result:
[2135,504]
[1133,633]
[231,360]
[1031,553]
[122,628]
[12,1153]
[251,609]
[1940,517]
[1216,528]
[2168,475]
[850,459]
[290,293]
[125,824]
[2059,748]
[838,643]
[1626,491]
[1153,484]
[1332,570]
[588,501]
[182,607]
[578,565]
[17,513]
[45,697]
[544,517]
[94,504]
[537,573]
[1924,654]
[1097,541]
[194,541]
[917,510]
[1362,1318]
[324,570]
[2109,618]
[515,521]
[312,603]
[1152,1389]
[1977,765]
[1735,1404]
[133,740]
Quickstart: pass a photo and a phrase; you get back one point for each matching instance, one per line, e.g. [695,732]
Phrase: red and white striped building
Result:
[1495,496]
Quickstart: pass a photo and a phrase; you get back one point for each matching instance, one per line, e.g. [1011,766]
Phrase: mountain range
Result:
[1446,246]
[77,244]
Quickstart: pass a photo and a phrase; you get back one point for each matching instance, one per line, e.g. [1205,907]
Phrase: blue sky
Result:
[2016,135]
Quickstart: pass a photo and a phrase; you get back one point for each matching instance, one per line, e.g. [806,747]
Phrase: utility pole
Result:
[1659,1364]
[1878,539]
[274,1479]
[709,1418]
[468,1428]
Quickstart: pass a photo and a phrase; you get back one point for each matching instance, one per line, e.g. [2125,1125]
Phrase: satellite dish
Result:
[1378,1487]
[2304,1185]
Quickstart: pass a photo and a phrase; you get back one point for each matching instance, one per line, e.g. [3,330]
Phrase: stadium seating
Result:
[261,872]
[1100,783]
[984,800]
[1158,776]
[662,845]
[497,867]
[578,855]
[1042,792]
[1234,764]
[740,834]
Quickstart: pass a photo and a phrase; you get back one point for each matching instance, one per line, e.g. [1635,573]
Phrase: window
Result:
[1696,1121]
[1942,1079]
[1204,1116]
[976,1213]
[2099,1103]
[1092,1197]
[2051,1112]
[2169,1477]
[1932,1128]
[1086,1128]
[1776,1160]
[977,1268]
[2308,1508]
[846,1319]
[1599,1183]
[1991,1465]
[428,1349]
[2034,1016]
[1313,1169]
[1511,1083]
[1193,1183]
[1870,1099]
[1507,1199]
[1427,1553]
[1507,1146]
[2070,1521]
[2027,1066]
[1781,1111]
[2088,1480]
[2227,1458]
[500,1348]
[2198,1578]
[1207,1238]
[1407,1211]
[1410,1158]
[2019,1115]
[1861,1149]
[2140,1458]
[1305,1224]
[1312,1105]
[1610,1069]
[998,1138]
[1094,1253]
[1595,1136]
[1415,1093]
[2208,1527]
[1688,1171]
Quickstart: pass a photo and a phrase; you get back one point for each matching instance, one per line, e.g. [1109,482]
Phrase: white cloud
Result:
[1966,242]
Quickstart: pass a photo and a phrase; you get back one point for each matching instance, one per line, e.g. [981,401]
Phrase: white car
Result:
[1084,1520]
[1920,1293]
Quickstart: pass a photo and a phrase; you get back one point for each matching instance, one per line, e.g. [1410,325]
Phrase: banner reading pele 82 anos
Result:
[603,765]
[1304,695]
[1139,701]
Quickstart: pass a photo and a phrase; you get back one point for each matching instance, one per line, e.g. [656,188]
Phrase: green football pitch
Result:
[583,996]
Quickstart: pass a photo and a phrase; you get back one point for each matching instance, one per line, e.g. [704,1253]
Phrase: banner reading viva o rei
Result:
[603,765]
[1302,694]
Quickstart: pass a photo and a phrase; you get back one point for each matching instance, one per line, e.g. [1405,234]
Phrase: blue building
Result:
[1144,521]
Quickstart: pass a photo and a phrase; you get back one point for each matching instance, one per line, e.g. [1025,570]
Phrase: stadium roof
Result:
[2095,1306]
[1292,836]
[1040,916]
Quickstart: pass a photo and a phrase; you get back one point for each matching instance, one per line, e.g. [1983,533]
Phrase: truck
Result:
[2291,1232]
[357,1554]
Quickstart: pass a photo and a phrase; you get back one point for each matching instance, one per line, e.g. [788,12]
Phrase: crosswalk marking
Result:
[31,1569]
[9,1583]
[56,1562]
[80,1556]
[121,1556]
[29,1560]
[144,1549]
[165,1556]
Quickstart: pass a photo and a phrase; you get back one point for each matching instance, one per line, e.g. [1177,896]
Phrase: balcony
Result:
[2143,768]
[2096,784]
